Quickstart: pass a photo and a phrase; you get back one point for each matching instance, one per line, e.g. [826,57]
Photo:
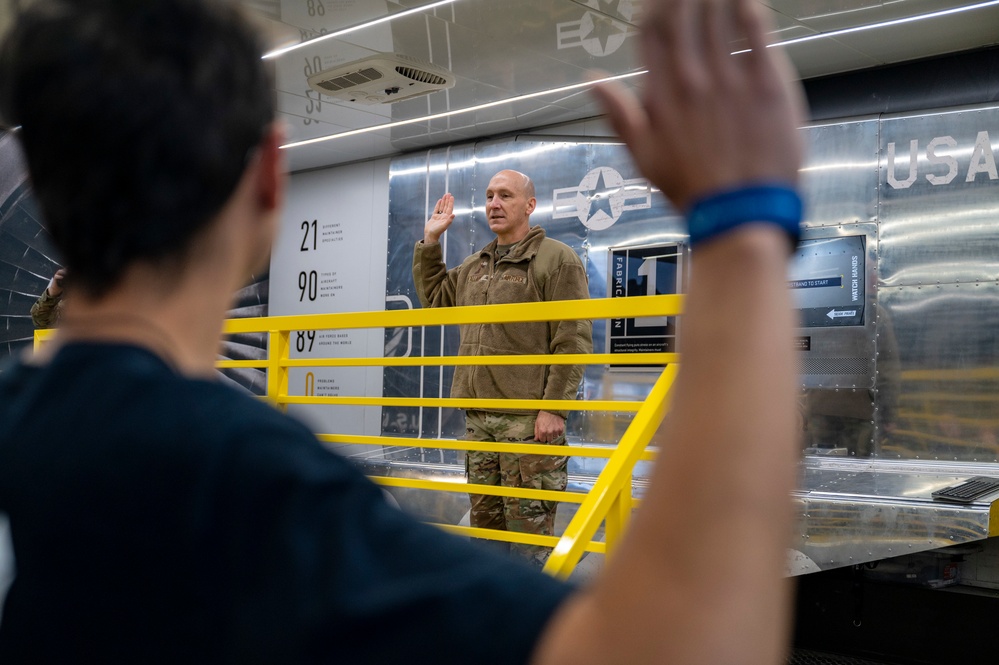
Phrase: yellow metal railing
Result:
[42,336]
[609,502]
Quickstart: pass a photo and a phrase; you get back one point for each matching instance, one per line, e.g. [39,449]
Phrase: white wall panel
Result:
[330,257]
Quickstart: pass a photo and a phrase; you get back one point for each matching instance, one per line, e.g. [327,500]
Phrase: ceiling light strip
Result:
[886,24]
[470,109]
[361,26]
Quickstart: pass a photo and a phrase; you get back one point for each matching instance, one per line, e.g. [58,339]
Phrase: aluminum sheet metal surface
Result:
[939,243]
[908,385]
[946,404]
[840,176]
[939,197]
[839,374]
[852,513]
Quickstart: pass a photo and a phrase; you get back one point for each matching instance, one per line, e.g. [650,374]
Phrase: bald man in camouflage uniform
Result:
[520,265]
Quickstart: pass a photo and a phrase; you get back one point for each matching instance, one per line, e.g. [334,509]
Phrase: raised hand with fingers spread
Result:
[440,220]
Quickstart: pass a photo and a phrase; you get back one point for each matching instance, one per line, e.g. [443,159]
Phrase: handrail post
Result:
[609,485]
[41,336]
[278,349]
[618,516]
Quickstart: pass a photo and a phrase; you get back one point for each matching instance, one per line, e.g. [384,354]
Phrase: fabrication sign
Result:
[643,271]
[828,280]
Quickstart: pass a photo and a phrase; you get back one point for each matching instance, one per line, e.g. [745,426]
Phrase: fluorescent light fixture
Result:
[470,109]
[361,26]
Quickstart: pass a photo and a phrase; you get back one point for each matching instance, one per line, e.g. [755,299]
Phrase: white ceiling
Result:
[500,50]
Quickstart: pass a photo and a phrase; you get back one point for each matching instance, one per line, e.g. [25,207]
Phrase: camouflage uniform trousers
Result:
[545,472]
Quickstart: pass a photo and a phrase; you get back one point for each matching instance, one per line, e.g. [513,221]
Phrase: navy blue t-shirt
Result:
[157,518]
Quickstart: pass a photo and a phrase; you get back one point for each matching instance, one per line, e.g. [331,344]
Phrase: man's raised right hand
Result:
[440,220]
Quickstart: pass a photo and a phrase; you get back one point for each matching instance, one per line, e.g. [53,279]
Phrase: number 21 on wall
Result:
[308,228]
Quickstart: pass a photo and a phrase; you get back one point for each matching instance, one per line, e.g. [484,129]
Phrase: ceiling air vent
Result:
[421,76]
[349,80]
[382,79]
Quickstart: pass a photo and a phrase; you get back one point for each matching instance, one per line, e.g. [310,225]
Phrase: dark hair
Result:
[137,120]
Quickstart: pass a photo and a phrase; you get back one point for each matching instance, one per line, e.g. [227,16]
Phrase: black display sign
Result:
[828,277]
[643,271]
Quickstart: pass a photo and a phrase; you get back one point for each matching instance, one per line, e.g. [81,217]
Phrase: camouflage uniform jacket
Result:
[47,309]
[537,269]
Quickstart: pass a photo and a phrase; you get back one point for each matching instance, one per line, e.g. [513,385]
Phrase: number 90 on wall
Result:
[308,285]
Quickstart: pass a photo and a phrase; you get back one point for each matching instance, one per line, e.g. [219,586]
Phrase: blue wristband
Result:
[721,212]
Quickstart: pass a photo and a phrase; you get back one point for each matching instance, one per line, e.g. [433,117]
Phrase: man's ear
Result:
[532,203]
[271,176]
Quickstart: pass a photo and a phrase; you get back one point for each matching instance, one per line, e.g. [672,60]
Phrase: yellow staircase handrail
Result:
[614,484]
[610,499]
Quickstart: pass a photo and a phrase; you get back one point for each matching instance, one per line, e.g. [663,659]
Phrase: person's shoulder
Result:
[205,418]
[556,245]
[263,448]
[562,252]
[226,412]
[140,386]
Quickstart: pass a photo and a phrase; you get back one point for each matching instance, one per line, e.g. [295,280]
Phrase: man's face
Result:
[508,207]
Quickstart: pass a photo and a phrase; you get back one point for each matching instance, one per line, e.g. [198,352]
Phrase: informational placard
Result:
[643,271]
[828,279]
[328,258]
[331,381]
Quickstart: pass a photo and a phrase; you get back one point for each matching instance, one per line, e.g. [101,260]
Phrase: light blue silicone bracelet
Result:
[721,212]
